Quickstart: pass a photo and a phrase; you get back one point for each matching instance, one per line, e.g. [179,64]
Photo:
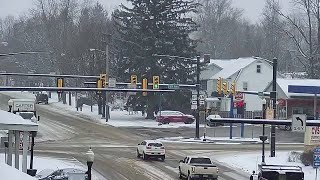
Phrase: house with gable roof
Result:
[249,74]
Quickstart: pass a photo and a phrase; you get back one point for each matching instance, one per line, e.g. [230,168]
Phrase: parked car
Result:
[42,98]
[60,174]
[167,117]
[193,167]
[151,149]
[210,118]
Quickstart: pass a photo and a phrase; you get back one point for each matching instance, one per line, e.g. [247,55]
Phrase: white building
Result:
[249,74]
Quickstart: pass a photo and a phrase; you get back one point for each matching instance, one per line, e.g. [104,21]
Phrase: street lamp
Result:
[263,138]
[90,159]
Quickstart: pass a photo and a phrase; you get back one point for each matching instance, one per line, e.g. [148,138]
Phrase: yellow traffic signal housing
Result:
[60,83]
[144,86]
[99,84]
[233,88]
[225,88]
[156,82]
[219,85]
[133,79]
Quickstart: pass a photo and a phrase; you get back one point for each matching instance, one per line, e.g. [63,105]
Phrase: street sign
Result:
[238,96]
[173,86]
[269,114]
[112,82]
[194,102]
[193,106]
[194,97]
[202,97]
[316,157]
[132,86]
[201,102]
[299,122]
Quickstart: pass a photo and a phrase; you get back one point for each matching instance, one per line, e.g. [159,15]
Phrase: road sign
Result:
[112,82]
[173,86]
[316,157]
[299,122]
[202,97]
[194,97]
[193,106]
[132,86]
[269,114]
[194,102]
[238,96]
[201,102]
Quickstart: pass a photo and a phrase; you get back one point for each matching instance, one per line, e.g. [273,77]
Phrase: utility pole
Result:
[198,98]
[106,100]
[273,96]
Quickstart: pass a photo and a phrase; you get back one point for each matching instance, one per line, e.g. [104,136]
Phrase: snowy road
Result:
[65,134]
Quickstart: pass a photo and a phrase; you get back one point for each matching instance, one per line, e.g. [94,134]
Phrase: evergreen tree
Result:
[150,27]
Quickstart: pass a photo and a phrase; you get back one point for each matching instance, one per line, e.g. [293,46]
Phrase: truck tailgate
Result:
[205,169]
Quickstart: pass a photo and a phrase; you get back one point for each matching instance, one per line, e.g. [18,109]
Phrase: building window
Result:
[245,86]
[203,85]
[258,68]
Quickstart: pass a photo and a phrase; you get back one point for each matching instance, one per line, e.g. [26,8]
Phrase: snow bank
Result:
[216,140]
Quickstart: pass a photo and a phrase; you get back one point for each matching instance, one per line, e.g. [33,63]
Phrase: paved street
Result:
[115,148]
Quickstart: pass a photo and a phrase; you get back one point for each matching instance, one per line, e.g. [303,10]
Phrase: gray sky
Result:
[252,8]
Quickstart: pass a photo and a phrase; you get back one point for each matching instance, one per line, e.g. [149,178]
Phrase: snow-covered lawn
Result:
[215,140]
[41,163]
[248,161]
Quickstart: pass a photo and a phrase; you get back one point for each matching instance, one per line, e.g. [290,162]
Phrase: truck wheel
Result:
[144,156]
[163,157]
[166,121]
[180,175]
[138,155]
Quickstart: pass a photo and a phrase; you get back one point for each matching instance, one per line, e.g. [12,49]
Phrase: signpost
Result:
[299,122]
[316,159]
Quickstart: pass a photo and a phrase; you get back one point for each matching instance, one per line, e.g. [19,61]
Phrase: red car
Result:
[167,117]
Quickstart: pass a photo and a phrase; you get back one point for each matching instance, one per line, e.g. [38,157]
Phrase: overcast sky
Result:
[252,8]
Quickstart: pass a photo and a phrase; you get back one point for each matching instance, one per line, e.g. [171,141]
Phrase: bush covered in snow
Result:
[294,156]
[307,158]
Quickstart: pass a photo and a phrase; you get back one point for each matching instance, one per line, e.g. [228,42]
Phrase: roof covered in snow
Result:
[8,172]
[284,83]
[10,121]
[230,66]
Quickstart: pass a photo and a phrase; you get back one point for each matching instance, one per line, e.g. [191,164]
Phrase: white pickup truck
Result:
[198,167]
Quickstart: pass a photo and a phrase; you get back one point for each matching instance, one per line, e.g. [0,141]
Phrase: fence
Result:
[246,115]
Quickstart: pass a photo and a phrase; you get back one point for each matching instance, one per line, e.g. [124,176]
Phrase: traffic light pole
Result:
[274,99]
[198,97]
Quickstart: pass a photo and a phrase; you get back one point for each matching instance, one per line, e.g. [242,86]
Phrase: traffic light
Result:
[144,86]
[219,85]
[225,88]
[133,79]
[156,82]
[103,77]
[60,83]
[233,89]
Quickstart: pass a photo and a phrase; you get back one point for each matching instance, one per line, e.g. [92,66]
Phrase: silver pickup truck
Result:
[198,167]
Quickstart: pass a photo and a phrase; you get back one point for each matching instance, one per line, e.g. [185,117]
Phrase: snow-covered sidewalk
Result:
[42,163]
[215,140]
[248,161]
